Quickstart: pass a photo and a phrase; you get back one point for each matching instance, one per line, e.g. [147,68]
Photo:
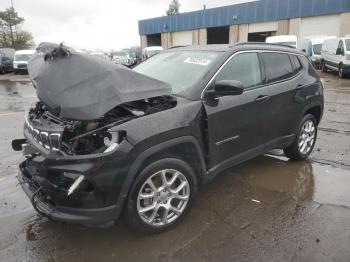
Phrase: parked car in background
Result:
[312,45]
[147,52]
[142,141]
[288,40]
[6,59]
[20,61]
[123,58]
[336,55]
[134,54]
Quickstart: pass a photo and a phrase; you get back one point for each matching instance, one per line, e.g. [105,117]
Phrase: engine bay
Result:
[82,137]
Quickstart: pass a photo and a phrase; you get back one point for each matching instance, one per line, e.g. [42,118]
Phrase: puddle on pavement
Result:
[11,88]
[16,96]
[304,180]
[273,179]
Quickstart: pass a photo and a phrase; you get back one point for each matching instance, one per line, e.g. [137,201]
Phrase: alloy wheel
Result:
[307,137]
[163,197]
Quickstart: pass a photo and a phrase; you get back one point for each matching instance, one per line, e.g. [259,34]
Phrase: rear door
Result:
[283,76]
[234,122]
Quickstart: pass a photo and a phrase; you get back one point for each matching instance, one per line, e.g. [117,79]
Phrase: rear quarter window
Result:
[296,63]
[277,66]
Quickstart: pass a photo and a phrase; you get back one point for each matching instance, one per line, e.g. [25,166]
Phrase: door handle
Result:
[262,98]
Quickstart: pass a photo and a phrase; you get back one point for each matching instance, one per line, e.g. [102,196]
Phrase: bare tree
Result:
[11,33]
[174,8]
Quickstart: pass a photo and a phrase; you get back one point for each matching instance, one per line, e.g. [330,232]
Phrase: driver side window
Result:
[243,67]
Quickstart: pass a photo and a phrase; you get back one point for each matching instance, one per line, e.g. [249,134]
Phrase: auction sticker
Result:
[197,61]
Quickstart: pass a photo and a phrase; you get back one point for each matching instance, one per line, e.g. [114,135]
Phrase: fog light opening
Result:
[75,185]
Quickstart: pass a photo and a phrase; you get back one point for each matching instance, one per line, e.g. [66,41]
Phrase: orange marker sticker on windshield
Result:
[197,61]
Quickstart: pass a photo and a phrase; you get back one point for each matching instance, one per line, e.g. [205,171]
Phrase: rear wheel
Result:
[341,71]
[323,67]
[161,196]
[305,140]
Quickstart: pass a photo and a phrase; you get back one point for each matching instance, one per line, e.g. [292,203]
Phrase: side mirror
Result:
[226,88]
[303,50]
[339,51]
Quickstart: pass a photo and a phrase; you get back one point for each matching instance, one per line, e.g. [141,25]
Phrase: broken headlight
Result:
[94,143]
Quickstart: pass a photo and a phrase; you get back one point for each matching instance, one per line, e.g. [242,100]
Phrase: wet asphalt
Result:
[267,209]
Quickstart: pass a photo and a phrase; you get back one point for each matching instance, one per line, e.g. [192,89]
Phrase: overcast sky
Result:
[95,24]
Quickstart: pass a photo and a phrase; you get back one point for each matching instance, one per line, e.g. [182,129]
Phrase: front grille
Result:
[22,66]
[49,140]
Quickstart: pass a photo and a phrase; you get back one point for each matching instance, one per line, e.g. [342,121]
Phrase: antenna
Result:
[12,3]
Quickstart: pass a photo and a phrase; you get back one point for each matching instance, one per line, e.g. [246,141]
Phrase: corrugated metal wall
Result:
[247,13]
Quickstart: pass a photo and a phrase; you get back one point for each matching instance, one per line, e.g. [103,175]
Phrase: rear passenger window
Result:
[296,63]
[277,66]
[243,67]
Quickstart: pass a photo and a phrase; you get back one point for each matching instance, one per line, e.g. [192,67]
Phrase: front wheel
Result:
[305,140]
[161,196]
[323,67]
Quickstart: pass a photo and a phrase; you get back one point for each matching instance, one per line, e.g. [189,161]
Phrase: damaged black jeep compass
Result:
[104,140]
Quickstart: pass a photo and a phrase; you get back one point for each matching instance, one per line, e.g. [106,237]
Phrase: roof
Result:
[245,13]
[237,47]
[318,39]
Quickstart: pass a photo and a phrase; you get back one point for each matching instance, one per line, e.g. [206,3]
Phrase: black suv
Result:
[105,140]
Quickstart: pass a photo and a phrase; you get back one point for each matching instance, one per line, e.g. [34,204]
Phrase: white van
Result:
[20,60]
[288,40]
[150,51]
[336,55]
[313,47]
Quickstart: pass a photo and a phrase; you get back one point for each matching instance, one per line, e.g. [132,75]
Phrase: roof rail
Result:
[260,43]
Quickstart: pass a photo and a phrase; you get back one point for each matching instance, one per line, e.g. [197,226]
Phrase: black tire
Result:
[131,214]
[323,67]
[341,71]
[293,152]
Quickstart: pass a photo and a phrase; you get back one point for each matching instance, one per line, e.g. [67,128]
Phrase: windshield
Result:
[23,57]
[347,43]
[317,49]
[180,70]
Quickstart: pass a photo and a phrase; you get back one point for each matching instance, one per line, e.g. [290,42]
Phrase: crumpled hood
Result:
[83,87]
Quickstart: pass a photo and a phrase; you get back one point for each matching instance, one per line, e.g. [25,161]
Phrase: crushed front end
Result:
[69,177]
[76,158]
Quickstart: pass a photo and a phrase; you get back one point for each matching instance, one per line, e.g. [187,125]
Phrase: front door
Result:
[234,122]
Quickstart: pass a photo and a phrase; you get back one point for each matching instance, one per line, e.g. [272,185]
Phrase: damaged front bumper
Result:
[97,200]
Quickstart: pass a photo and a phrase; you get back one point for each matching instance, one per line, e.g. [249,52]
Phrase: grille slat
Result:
[49,140]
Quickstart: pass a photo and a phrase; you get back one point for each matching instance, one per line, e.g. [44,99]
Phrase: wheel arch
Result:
[167,149]
[316,111]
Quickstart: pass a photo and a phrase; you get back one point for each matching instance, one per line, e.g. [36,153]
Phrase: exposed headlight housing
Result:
[94,143]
